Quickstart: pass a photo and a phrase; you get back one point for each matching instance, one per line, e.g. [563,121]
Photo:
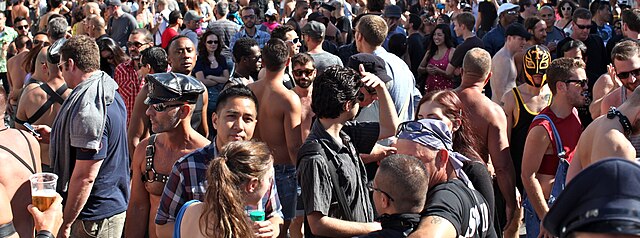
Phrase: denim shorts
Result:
[287,189]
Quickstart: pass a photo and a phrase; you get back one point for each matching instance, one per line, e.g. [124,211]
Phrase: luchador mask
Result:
[536,61]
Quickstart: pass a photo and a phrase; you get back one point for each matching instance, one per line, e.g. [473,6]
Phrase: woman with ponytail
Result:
[238,178]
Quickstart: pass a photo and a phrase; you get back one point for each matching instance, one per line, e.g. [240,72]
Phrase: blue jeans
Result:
[287,189]
[531,220]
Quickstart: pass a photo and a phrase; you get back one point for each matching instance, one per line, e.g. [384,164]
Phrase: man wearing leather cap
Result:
[40,103]
[171,100]
[602,201]
[453,208]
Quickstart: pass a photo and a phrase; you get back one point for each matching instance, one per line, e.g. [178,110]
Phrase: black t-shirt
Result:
[461,50]
[597,57]
[344,25]
[465,208]
[416,51]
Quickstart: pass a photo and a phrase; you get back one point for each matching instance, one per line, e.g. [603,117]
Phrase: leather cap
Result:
[53,52]
[172,87]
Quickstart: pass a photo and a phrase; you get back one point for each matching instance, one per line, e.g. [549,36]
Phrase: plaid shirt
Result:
[261,37]
[187,181]
[129,84]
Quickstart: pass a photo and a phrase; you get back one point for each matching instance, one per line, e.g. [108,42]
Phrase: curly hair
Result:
[238,163]
[332,89]
[84,52]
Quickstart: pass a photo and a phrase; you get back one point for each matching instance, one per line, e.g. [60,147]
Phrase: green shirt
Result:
[6,37]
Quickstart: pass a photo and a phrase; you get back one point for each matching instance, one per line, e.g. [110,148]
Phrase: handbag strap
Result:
[183,209]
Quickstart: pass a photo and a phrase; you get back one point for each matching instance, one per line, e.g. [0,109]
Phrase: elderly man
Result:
[453,207]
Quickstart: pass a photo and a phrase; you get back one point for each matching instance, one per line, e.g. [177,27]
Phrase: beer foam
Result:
[44,193]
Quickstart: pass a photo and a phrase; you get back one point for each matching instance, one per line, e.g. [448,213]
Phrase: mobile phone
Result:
[31,129]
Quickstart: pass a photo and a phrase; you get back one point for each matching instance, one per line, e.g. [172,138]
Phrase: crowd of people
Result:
[321,118]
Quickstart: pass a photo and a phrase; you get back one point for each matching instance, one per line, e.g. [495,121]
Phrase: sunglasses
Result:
[566,8]
[134,44]
[417,127]
[512,13]
[211,42]
[61,64]
[546,15]
[579,82]
[161,107]
[44,43]
[24,27]
[372,188]
[582,27]
[301,72]
[624,75]
[294,41]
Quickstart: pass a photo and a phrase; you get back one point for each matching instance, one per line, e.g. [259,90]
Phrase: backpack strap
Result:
[559,148]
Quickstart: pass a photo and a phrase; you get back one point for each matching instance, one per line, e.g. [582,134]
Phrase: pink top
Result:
[439,82]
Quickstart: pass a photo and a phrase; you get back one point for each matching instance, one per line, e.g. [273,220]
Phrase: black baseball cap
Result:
[372,64]
[517,29]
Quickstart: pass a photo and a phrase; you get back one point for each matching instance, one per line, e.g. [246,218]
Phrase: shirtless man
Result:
[610,136]
[490,124]
[153,60]
[40,104]
[626,61]
[15,72]
[171,101]
[16,169]
[304,73]
[20,10]
[543,159]
[503,63]
[521,105]
[279,123]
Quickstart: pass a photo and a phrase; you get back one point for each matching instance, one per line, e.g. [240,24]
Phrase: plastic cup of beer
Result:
[43,190]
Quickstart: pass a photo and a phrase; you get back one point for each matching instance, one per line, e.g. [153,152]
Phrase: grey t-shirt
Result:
[120,28]
[324,60]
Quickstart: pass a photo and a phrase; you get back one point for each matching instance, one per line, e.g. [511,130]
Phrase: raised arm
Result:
[388,117]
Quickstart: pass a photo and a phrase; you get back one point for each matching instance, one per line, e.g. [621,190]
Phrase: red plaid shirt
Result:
[129,84]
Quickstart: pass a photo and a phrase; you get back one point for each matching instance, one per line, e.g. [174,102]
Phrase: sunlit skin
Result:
[236,121]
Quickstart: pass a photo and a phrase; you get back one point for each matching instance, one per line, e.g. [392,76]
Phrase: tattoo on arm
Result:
[436,220]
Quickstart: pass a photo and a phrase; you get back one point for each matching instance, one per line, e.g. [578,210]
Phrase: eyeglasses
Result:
[579,82]
[372,188]
[566,8]
[417,127]
[249,17]
[301,72]
[512,13]
[211,42]
[624,75]
[582,27]
[24,27]
[294,41]
[161,107]
[61,64]
[134,44]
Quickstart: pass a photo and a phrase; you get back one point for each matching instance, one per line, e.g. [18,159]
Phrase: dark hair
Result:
[581,13]
[223,212]
[280,32]
[598,5]
[465,140]
[445,18]
[84,51]
[524,3]
[415,21]
[632,19]
[23,41]
[573,5]
[275,55]
[234,91]
[398,44]
[332,89]
[466,19]
[406,179]
[108,44]
[302,59]
[242,47]
[31,59]
[174,20]
[625,50]
[531,22]
[19,19]
[560,70]
[54,3]
[375,5]
[202,47]
[174,39]
[156,57]
[572,44]
[448,40]
[489,15]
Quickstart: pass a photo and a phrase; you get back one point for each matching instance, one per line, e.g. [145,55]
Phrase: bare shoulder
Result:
[139,153]
[612,97]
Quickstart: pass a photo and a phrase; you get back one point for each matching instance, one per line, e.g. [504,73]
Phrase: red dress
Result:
[438,82]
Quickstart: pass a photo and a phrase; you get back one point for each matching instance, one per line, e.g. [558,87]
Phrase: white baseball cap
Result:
[507,6]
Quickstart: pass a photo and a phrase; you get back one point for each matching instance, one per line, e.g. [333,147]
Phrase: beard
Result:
[303,83]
